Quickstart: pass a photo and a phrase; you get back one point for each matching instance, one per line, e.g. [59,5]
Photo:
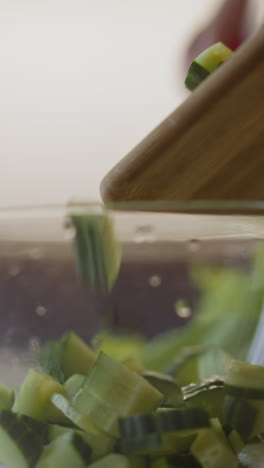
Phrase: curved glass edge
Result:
[135,222]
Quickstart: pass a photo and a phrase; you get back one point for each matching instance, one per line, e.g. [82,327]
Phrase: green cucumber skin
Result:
[240,415]
[206,63]
[67,451]
[23,439]
[243,392]
[7,398]
[195,76]
[165,385]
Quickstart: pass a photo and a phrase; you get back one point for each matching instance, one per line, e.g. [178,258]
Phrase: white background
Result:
[81,83]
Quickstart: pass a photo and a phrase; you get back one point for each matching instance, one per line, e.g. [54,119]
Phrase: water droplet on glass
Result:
[193,245]
[69,230]
[34,344]
[183,310]
[41,311]
[144,233]
[36,253]
[14,270]
[155,281]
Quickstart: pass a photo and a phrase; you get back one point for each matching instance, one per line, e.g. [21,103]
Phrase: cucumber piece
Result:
[56,430]
[182,419]
[252,455]
[165,385]
[163,421]
[161,433]
[115,460]
[139,444]
[156,444]
[7,397]
[67,451]
[21,440]
[111,390]
[160,462]
[67,356]
[206,62]
[240,415]
[97,250]
[183,460]
[77,356]
[137,425]
[236,441]
[212,450]
[33,398]
[244,387]
[208,395]
[100,442]
[73,384]
[243,375]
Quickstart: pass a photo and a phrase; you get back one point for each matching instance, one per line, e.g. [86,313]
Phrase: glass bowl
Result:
[181,263]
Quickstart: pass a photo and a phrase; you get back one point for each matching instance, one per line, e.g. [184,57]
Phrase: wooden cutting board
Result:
[209,148]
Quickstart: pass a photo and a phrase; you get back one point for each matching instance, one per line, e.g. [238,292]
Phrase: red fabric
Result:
[227,27]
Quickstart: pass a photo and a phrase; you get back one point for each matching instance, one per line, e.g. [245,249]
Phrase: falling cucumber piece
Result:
[206,63]
[97,249]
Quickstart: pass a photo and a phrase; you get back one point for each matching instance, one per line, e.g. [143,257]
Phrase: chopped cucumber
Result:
[212,450]
[100,442]
[239,414]
[133,364]
[67,356]
[207,62]
[21,440]
[115,415]
[236,441]
[67,451]
[98,252]
[252,455]
[33,398]
[56,430]
[157,444]
[115,460]
[244,388]
[73,384]
[166,385]
[208,394]
[160,462]
[7,397]
[111,390]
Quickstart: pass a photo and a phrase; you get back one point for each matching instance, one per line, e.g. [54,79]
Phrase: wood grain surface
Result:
[209,148]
